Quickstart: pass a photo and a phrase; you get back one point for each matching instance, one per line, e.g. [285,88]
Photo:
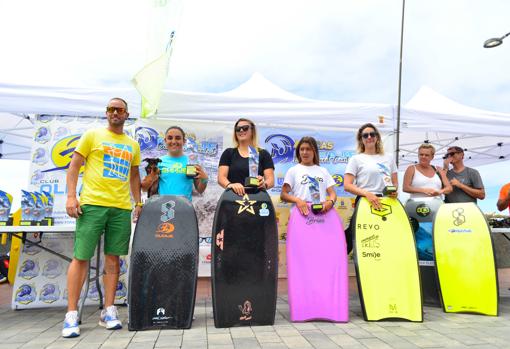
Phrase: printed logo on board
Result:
[422,210]
[160,317]
[393,308]
[383,212]
[246,311]
[458,216]
[371,242]
[246,205]
[371,255]
[263,212]
[166,229]
[314,220]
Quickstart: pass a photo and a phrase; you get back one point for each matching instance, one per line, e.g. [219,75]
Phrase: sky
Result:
[324,49]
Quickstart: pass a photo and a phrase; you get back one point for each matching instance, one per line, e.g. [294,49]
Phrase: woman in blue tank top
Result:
[171,171]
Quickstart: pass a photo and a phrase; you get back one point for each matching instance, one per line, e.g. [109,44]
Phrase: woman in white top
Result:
[297,179]
[370,171]
[423,179]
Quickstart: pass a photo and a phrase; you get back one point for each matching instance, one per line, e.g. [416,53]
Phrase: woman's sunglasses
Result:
[243,128]
[369,134]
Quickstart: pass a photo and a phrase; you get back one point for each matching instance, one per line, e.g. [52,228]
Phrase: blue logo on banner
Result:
[147,138]
[25,294]
[50,293]
[282,148]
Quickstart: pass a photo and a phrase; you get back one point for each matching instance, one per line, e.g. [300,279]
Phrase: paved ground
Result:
[40,328]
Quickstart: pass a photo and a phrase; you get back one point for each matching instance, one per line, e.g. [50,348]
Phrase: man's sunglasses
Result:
[451,154]
[243,128]
[113,109]
[368,134]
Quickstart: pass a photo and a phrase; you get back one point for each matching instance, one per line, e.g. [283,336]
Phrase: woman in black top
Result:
[233,167]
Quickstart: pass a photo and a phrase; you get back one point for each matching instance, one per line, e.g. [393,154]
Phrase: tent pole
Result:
[397,150]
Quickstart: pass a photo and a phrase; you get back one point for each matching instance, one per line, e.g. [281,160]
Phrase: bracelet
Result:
[139,204]
[204,180]
[229,183]
[333,202]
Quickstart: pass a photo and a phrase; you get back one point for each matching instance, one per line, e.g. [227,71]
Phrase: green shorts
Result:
[94,220]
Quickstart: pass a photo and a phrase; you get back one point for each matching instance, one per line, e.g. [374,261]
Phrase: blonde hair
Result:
[254,139]
[427,146]
[378,144]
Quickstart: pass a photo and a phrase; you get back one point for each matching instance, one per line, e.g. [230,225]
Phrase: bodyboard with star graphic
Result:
[386,262]
[465,262]
[164,265]
[244,259]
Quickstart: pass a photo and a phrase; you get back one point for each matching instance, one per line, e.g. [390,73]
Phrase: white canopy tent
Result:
[428,117]
[268,104]
[19,104]
[432,118]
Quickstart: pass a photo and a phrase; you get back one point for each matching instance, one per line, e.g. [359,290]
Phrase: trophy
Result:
[253,168]
[313,187]
[191,171]
[386,174]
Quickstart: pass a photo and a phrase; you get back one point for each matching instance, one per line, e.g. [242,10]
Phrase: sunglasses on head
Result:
[243,128]
[368,134]
[113,109]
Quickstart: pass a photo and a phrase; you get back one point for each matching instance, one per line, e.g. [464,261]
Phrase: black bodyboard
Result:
[164,265]
[245,260]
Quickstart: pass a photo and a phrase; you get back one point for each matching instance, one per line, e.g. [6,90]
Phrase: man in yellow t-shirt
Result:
[111,170]
[504,198]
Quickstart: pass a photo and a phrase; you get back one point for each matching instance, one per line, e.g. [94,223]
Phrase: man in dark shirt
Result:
[466,182]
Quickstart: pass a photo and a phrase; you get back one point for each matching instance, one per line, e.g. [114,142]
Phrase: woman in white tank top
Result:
[424,180]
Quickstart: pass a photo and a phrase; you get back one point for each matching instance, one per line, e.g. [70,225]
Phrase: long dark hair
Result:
[313,143]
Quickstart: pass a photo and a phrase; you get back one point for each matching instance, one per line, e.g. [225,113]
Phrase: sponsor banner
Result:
[41,276]
[56,138]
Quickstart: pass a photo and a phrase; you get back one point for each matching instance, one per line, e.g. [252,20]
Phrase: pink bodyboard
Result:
[317,269]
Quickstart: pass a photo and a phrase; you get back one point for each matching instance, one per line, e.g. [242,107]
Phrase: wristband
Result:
[204,180]
[139,204]
[229,183]
[333,202]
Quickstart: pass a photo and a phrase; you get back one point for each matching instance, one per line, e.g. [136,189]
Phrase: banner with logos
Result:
[57,136]
[41,276]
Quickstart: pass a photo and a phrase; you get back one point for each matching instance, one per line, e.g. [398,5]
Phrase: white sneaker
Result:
[71,328]
[110,318]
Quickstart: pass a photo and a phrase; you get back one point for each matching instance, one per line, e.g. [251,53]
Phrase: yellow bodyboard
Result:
[386,262]
[465,261]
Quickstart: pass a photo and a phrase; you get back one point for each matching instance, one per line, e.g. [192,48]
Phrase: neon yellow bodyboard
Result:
[465,262]
[386,262]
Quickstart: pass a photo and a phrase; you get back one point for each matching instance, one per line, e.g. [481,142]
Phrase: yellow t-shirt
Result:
[108,161]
